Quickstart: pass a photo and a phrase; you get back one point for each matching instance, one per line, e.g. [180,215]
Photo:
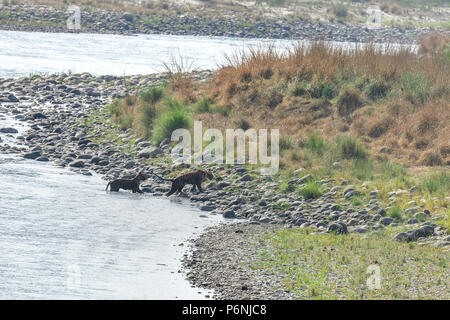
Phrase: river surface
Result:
[25,53]
[63,236]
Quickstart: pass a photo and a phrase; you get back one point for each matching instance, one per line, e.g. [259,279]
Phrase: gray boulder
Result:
[338,228]
[150,152]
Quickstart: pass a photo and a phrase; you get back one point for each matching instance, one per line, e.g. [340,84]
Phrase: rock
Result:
[402,236]
[207,208]
[412,221]
[12,98]
[77,164]
[305,179]
[229,214]
[128,17]
[150,152]
[412,210]
[422,232]
[42,159]
[386,221]
[222,185]
[8,130]
[39,115]
[299,170]
[247,177]
[32,155]
[421,216]
[338,228]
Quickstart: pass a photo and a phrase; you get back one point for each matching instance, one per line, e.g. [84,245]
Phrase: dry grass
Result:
[395,100]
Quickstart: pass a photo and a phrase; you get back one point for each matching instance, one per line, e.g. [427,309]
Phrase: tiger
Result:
[195,178]
[127,184]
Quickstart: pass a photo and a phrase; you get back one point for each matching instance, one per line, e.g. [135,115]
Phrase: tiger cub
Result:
[127,184]
[195,178]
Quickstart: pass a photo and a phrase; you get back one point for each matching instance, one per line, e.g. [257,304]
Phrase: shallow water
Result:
[63,236]
[25,53]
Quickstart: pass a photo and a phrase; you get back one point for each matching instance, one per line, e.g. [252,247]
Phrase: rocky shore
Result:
[67,125]
[30,17]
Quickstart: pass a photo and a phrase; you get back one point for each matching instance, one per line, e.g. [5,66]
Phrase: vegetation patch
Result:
[326,266]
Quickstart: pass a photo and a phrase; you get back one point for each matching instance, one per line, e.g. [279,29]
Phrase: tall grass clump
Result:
[316,144]
[152,95]
[203,106]
[436,182]
[174,116]
[312,190]
[350,148]
[348,101]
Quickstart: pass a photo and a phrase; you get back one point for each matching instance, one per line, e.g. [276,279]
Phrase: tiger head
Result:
[208,174]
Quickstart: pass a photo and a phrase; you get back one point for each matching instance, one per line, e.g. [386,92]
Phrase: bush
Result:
[316,144]
[431,158]
[151,95]
[285,143]
[312,190]
[350,148]
[242,124]
[395,213]
[203,106]
[169,120]
[436,182]
[114,108]
[415,88]
[377,89]
[340,10]
[223,110]
[379,127]
[348,101]
[147,116]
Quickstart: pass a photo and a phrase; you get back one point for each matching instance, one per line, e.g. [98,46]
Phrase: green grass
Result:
[395,213]
[316,144]
[175,116]
[312,190]
[203,106]
[152,95]
[436,182]
[326,266]
[350,148]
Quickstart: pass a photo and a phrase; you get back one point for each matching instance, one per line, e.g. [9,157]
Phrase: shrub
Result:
[436,182]
[203,106]
[379,127]
[285,143]
[168,121]
[114,108]
[415,88]
[377,89]
[147,116]
[350,148]
[431,158]
[348,101]
[151,95]
[312,190]
[223,110]
[395,213]
[242,124]
[316,144]
[340,10]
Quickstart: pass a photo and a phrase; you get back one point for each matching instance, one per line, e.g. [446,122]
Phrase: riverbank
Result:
[71,124]
[247,261]
[44,18]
